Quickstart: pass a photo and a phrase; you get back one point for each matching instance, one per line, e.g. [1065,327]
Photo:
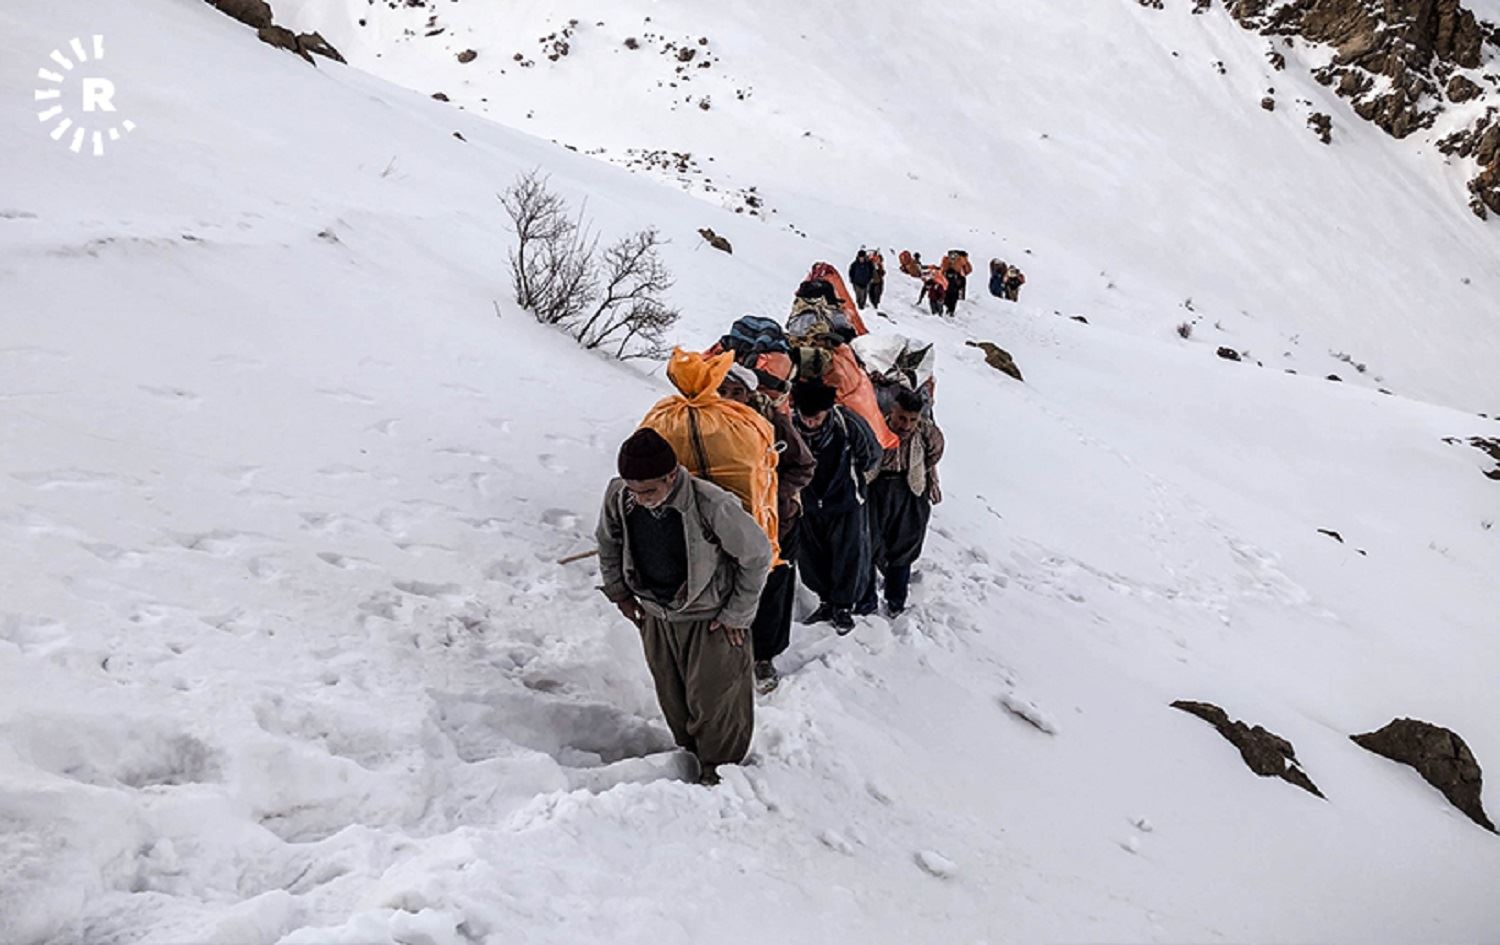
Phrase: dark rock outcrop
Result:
[1440,756]
[1228,354]
[998,358]
[1413,43]
[1396,61]
[257,14]
[313,44]
[1322,126]
[1266,753]
[716,241]
[1490,446]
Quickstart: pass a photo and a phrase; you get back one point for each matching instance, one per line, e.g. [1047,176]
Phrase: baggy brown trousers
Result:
[705,687]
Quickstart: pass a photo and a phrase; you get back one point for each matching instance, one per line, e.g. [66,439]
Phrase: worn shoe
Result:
[894,610]
[709,777]
[766,677]
[842,620]
[823,614]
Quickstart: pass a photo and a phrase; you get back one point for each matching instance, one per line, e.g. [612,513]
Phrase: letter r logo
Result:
[98,95]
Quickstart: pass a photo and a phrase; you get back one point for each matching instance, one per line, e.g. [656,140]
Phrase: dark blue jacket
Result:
[861,271]
[845,450]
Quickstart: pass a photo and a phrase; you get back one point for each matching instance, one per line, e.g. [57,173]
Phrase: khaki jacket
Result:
[728,556]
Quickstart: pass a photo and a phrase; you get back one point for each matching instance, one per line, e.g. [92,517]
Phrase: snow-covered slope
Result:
[285,655]
[1121,156]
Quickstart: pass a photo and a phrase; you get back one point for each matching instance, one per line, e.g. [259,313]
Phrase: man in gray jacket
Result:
[685,563]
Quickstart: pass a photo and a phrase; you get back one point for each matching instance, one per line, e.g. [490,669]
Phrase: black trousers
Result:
[877,289]
[898,529]
[834,556]
[771,632]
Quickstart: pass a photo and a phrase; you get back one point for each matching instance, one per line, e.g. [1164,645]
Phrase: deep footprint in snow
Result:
[221,542]
[384,427]
[345,562]
[443,592]
[267,568]
[329,523]
[465,452]
[577,734]
[552,464]
[31,633]
[560,518]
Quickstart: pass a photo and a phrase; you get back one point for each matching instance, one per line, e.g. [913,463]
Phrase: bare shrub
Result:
[609,300]
[1185,330]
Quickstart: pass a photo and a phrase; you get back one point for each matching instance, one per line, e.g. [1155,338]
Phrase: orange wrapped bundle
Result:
[856,392]
[724,442]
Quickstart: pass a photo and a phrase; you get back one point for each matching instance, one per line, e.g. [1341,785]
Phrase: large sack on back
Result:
[856,392]
[814,321]
[896,358]
[724,442]
[907,264]
[830,275]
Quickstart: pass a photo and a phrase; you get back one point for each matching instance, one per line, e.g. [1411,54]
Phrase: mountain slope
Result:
[1123,157]
[286,656]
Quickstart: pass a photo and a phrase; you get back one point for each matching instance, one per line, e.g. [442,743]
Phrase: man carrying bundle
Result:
[685,563]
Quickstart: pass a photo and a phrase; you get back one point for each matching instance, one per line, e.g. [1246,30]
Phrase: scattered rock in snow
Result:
[1027,711]
[1440,756]
[257,15]
[716,241]
[1334,377]
[252,13]
[1266,753]
[998,358]
[313,44]
[304,45]
[1268,103]
[440,96]
[1331,534]
[936,864]
[1131,844]
[1143,824]
[468,56]
[1461,89]
[1322,126]
[1490,446]
[1228,354]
